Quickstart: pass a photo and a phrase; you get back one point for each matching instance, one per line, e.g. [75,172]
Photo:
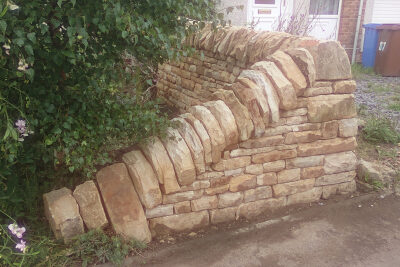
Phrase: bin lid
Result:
[371,25]
[393,27]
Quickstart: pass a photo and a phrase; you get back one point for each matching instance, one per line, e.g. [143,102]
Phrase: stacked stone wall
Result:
[268,121]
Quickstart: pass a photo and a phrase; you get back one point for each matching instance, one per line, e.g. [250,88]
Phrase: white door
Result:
[263,13]
[324,18]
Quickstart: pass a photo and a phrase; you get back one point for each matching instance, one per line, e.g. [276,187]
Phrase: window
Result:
[264,2]
[324,7]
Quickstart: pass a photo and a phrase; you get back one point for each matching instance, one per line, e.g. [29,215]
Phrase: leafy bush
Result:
[380,130]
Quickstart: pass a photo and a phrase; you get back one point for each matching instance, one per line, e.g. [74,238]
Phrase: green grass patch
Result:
[380,130]
[378,88]
[359,71]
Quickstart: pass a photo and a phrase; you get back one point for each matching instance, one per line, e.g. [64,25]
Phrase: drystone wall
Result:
[268,120]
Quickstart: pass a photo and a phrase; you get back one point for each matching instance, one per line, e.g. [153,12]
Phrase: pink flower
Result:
[17,231]
[21,246]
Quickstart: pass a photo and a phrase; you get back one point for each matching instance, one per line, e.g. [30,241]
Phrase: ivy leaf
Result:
[31,37]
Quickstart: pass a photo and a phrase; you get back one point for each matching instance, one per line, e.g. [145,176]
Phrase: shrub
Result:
[380,130]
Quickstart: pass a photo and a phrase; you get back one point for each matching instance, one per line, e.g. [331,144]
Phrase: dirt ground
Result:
[357,230]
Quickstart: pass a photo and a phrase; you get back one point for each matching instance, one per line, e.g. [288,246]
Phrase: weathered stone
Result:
[231,164]
[234,172]
[223,215]
[263,142]
[304,162]
[204,203]
[182,207]
[179,223]
[329,129]
[144,178]
[274,166]
[293,187]
[180,156]
[160,211]
[194,144]
[314,91]
[305,62]
[326,146]
[284,89]
[242,116]
[290,70]
[302,137]
[305,197]
[294,112]
[215,182]
[254,169]
[346,188]
[312,172]
[213,129]
[344,87]
[229,199]
[296,120]
[257,193]
[306,127]
[269,178]
[252,209]
[158,157]
[209,175]
[202,134]
[196,185]
[340,162]
[225,119]
[62,212]
[217,190]
[329,190]
[278,130]
[90,207]
[242,182]
[122,203]
[240,152]
[375,171]
[336,178]
[290,175]
[182,196]
[348,127]
[274,156]
[331,107]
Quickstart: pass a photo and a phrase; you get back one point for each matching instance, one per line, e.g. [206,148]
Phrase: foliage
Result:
[380,130]
[358,71]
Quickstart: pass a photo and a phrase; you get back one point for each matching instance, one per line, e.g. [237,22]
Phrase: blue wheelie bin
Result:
[370,44]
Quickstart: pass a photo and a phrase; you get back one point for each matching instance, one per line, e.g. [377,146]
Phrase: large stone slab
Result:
[62,212]
[331,107]
[180,156]
[213,129]
[329,146]
[144,178]
[242,182]
[90,206]
[194,144]
[122,203]
[284,89]
[225,119]
[158,157]
[340,162]
[293,187]
[305,62]
[179,223]
[336,178]
[202,134]
[252,209]
[223,215]
[242,116]
[344,87]
[232,164]
[309,196]
[274,155]
[263,142]
[290,70]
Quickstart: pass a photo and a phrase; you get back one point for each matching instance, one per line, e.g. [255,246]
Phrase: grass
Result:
[359,71]
[378,88]
[380,130]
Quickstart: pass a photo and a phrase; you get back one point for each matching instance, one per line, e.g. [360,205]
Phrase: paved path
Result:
[361,231]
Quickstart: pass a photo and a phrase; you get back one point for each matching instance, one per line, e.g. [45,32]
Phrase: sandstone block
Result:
[305,197]
[344,87]
[269,178]
[229,199]
[257,193]
[216,182]
[327,146]
[122,203]
[312,172]
[196,185]
[302,137]
[225,119]
[158,157]
[144,178]
[290,175]
[314,91]
[331,107]
[254,169]
[62,211]
[336,178]
[182,196]
[182,207]
[160,211]
[240,152]
[340,162]
[213,129]
[223,215]
[202,134]
[284,89]
[194,144]
[231,164]
[252,209]
[180,156]
[293,187]
[204,203]
[179,223]
[263,142]
[210,175]
[346,188]
[294,112]
[305,62]
[329,190]
[290,70]
[329,129]
[348,127]
[242,182]
[217,190]
[242,116]
[90,206]
[304,162]
[274,166]
[274,156]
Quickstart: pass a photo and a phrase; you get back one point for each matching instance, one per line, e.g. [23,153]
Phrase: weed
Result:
[395,106]
[359,71]
[376,184]
[380,130]
[362,109]
[386,153]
